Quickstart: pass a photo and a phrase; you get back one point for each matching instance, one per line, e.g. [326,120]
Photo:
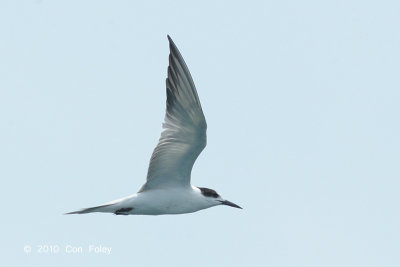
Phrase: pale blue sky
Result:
[302,104]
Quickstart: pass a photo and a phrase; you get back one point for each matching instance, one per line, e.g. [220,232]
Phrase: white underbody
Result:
[167,189]
[171,200]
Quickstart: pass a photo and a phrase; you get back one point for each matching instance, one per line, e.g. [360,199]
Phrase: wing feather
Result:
[184,134]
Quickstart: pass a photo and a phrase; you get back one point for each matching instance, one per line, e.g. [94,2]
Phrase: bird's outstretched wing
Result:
[184,135]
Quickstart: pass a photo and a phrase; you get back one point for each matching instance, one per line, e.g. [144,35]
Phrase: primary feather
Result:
[184,135]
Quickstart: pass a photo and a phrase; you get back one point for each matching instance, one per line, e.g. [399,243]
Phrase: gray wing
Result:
[184,134]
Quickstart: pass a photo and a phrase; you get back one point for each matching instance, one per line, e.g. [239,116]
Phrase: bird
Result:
[168,189]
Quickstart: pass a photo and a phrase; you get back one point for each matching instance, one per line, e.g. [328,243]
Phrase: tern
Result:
[167,189]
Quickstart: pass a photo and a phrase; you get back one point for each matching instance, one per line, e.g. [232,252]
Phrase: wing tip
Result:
[171,42]
[173,48]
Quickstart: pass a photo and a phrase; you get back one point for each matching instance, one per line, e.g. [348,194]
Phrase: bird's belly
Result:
[167,207]
[158,203]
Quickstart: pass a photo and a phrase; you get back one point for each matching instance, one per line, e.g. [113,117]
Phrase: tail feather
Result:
[92,209]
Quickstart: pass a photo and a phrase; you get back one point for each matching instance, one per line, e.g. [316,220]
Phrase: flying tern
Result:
[167,189]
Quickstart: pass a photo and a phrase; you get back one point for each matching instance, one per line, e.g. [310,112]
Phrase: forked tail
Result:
[102,208]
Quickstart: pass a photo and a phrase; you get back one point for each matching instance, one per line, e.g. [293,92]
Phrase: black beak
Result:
[228,203]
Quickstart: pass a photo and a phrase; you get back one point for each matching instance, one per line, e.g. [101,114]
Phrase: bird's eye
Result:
[207,192]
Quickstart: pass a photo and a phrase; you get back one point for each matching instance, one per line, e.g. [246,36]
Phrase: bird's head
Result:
[215,199]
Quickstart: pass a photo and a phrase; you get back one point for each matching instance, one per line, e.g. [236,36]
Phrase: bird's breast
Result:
[157,202]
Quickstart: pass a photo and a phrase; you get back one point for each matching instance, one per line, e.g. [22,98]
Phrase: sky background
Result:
[302,104]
